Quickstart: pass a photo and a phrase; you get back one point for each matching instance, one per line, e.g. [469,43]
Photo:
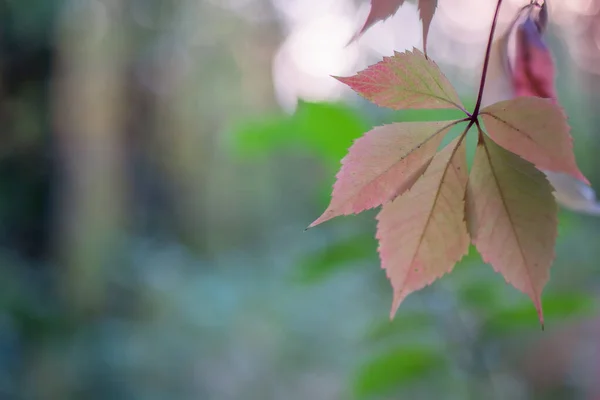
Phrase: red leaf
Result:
[535,129]
[511,214]
[383,9]
[380,10]
[405,81]
[422,233]
[382,165]
[533,73]
[426,12]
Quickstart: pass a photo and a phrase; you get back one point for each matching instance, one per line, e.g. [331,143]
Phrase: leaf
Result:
[380,11]
[559,306]
[327,129]
[511,214]
[426,12]
[382,165]
[405,81]
[527,69]
[422,233]
[397,367]
[533,71]
[535,129]
[383,9]
[321,264]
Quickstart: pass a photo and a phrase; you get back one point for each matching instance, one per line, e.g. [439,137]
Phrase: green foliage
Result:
[325,129]
[397,367]
[343,254]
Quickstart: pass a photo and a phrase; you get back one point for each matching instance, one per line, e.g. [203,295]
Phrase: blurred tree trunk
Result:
[88,109]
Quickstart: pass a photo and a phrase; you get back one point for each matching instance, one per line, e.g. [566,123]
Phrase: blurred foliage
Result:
[152,206]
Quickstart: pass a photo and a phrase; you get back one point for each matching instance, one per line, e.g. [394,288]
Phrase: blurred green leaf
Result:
[524,316]
[323,263]
[326,128]
[398,367]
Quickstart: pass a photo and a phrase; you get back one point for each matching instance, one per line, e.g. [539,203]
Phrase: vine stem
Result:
[486,62]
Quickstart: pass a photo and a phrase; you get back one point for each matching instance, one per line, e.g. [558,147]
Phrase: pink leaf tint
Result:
[422,233]
[511,214]
[535,129]
[405,81]
[382,165]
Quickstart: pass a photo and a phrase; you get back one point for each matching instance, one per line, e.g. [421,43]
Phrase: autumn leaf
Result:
[382,165]
[506,200]
[511,214]
[380,11]
[426,12]
[533,69]
[383,9]
[522,65]
[405,81]
[535,129]
[422,233]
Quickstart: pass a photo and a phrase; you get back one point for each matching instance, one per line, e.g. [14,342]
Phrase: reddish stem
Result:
[486,62]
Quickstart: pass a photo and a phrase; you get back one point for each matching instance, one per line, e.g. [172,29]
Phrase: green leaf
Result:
[556,308]
[327,129]
[322,264]
[395,368]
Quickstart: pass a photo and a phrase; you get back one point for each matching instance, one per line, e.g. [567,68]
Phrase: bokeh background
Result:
[159,161]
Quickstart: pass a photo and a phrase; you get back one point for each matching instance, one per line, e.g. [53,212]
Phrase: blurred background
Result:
[159,162]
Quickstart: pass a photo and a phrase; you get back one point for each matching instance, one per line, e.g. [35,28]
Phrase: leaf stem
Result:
[486,62]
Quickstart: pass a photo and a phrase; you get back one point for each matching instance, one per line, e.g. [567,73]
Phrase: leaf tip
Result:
[538,307]
[398,297]
[355,37]
[346,80]
[326,216]
[583,179]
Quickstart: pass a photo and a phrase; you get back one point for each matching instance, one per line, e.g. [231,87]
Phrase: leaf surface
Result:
[511,214]
[422,233]
[406,80]
[535,129]
[382,165]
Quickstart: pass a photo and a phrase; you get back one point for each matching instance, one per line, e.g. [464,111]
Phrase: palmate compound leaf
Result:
[511,211]
[511,214]
[535,129]
[383,164]
[383,9]
[422,233]
[406,80]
